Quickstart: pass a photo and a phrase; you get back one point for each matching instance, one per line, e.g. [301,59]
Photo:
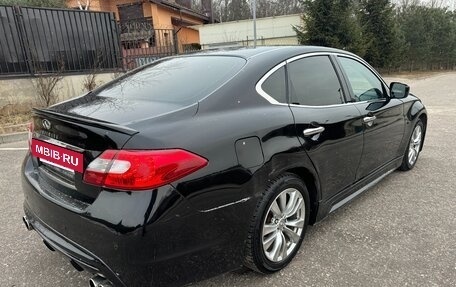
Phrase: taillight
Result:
[141,169]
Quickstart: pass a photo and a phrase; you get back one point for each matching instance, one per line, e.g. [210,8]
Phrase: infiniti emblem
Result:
[46,124]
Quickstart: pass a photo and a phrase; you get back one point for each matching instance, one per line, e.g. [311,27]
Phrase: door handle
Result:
[369,119]
[313,131]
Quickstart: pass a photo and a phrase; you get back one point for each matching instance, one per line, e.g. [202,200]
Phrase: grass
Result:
[14,122]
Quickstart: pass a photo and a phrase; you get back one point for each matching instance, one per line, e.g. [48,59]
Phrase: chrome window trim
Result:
[319,107]
[299,57]
[261,92]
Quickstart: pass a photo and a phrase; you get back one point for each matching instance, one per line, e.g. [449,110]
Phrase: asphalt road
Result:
[402,232]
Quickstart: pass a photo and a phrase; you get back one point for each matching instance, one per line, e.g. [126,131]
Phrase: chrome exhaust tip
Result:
[27,223]
[99,281]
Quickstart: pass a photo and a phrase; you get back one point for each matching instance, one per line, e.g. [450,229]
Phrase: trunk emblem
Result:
[46,124]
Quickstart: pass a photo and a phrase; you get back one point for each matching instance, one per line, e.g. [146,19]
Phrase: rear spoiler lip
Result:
[85,120]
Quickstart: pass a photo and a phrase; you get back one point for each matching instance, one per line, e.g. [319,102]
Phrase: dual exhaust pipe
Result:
[96,281]
[99,281]
[27,223]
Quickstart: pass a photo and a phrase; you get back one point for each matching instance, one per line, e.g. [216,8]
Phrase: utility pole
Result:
[254,23]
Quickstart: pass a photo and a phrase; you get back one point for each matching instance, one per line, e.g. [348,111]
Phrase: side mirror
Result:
[399,90]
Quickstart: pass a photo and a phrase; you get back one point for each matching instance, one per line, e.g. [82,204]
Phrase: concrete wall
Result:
[19,95]
[287,41]
[280,27]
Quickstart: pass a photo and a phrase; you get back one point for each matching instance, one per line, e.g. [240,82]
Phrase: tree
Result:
[47,84]
[238,10]
[452,54]
[429,34]
[380,32]
[442,38]
[84,5]
[233,10]
[331,23]
[269,8]
[36,3]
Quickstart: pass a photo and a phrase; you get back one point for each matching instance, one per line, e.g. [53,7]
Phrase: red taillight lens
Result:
[141,169]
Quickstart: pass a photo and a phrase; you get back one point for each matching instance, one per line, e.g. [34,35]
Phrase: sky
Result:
[451,4]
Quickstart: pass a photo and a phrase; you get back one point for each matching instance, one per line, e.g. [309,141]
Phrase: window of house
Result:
[130,12]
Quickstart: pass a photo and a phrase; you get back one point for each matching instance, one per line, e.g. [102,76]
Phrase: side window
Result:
[313,82]
[365,85]
[275,86]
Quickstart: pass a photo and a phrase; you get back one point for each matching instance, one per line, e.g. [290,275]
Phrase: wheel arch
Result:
[415,111]
[312,187]
[424,118]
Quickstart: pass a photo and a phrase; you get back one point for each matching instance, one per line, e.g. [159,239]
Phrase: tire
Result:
[270,225]
[413,149]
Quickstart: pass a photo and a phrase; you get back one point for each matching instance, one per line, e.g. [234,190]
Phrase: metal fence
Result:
[42,40]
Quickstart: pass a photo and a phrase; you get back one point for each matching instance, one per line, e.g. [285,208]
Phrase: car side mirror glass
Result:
[399,90]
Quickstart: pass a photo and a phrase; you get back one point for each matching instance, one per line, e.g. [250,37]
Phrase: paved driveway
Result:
[401,232]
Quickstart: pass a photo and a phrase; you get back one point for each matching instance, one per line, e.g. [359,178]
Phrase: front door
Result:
[383,118]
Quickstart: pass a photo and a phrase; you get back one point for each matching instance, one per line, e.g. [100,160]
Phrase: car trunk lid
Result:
[63,145]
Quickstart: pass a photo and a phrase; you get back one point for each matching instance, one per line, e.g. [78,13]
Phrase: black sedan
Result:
[200,164]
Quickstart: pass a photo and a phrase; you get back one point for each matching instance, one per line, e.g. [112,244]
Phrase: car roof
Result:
[268,51]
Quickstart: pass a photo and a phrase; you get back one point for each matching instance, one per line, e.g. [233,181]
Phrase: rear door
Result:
[383,119]
[329,128]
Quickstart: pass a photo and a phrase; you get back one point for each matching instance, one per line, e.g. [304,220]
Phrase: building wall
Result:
[162,20]
[162,14]
[108,5]
[188,36]
[282,41]
[161,17]
[111,6]
[280,27]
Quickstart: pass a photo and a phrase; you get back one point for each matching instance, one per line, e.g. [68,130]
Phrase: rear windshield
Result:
[180,81]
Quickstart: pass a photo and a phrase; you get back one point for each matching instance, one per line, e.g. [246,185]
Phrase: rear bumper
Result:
[73,251]
[139,239]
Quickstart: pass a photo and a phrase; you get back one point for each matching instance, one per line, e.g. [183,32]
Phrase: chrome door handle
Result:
[313,131]
[369,119]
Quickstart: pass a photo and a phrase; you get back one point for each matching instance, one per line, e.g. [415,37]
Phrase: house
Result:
[276,30]
[150,29]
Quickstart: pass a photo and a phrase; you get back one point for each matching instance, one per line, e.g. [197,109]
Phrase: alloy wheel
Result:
[283,225]
[415,145]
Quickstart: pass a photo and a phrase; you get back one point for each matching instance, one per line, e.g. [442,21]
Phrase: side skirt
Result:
[356,193]
[350,193]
